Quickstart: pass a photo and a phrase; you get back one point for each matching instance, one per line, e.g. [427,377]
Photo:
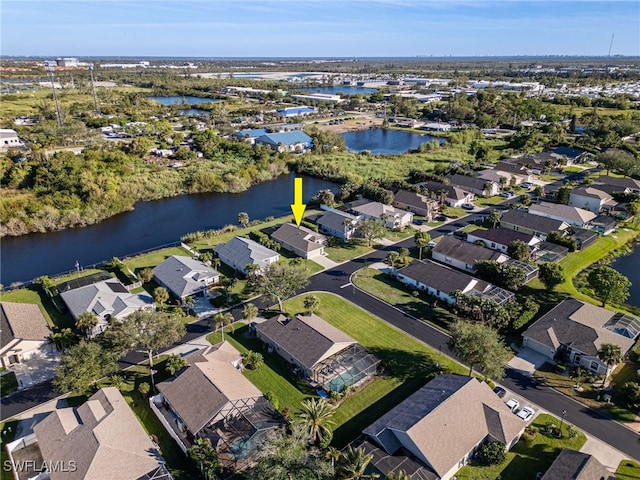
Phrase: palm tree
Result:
[401,475]
[315,418]
[611,355]
[333,455]
[353,464]
[421,240]
[311,303]
[63,338]
[250,311]
[243,219]
[188,303]
[86,322]
[215,263]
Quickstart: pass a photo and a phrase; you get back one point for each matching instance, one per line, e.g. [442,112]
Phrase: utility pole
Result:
[93,89]
[55,96]
[611,44]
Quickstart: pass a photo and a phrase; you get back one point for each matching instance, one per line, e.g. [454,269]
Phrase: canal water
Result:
[151,224]
[629,266]
[380,140]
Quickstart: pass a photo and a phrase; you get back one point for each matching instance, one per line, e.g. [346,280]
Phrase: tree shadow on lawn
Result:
[405,365]
[529,460]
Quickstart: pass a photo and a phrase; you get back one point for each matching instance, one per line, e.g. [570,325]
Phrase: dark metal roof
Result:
[466,252]
[529,221]
[436,276]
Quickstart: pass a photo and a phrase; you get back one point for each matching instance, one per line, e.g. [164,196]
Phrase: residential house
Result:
[463,255]
[185,276]
[442,282]
[430,426]
[594,198]
[452,195]
[295,141]
[338,224]
[535,163]
[500,238]
[548,252]
[573,155]
[623,184]
[436,127]
[211,398]
[239,252]
[582,236]
[250,135]
[100,439]
[511,174]
[572,465]
[603,224]
[9,139]
[576,331]
[570,215]
[300,240]
[475,185]
[107,299]
[416,203]
[24,332]
[319,351]
[526,222]
[391,216]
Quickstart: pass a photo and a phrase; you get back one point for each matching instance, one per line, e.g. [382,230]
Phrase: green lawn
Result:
[396,236]
[34,294]
[152,259]
[529,456]
[628,470]
[346,251]
[391,291]
[8,384]
[490,201]
[6,474]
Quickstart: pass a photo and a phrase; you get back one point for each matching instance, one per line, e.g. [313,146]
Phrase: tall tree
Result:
[610,354]
[147,331]
[86,322]
[518,250]
[174,364]
[311,303]
[63,338]
[422,240]
[551,275]
[353,465]
[250,311]
[81,366]
[243,219]
[315,417]
[280,280]
[494,217]
[608,284]
[371,229]
[205,457]
[160,295]
[478,344]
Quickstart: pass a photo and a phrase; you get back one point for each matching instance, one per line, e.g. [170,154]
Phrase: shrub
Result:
[253,360]
[144,388]
[560,369]
[272,399]
[492,453]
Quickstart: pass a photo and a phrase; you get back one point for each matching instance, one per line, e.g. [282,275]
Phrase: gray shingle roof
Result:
[335,221]
[412,199]
[453,192]
[466,252]
[572,465]
[184,276]
[244,251]
[530,221]
[438,276]
[466,181]
[300,238]
[308,338]
[573,214]
[578,324]
[503,236]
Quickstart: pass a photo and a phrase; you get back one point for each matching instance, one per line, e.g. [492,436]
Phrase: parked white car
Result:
[513,404]
[526,413]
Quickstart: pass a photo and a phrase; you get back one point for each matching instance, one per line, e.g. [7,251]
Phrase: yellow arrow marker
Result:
[297,207]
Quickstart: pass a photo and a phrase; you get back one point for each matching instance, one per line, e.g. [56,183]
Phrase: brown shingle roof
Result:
[307,338]
[301,237]
[22,321]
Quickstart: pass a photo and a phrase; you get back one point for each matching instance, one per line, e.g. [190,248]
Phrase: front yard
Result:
[341,252]
[628,470]
[532,454]
[407,366]
[8,384]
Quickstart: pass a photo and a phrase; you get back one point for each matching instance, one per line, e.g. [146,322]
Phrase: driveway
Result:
[527,361]
[39,368]
[324,261]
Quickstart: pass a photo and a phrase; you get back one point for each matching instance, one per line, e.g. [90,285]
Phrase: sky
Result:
[317,28]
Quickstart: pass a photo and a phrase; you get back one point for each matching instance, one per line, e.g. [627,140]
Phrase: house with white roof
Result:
[294,141]
[568,214]
[185,276]
[391,216]
[239,252]
[9,139]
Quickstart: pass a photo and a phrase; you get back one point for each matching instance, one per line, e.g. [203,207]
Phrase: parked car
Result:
[501,392]
[418,222]
[513,404]
[460,234]
[431,244]
[468,206]
[507,194]
[527,185]
[526,413]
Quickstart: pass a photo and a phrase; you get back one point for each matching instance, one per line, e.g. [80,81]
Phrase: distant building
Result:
[9,139]
[319,97]
[296,111]
[68,62]
[295,141]
[436,127]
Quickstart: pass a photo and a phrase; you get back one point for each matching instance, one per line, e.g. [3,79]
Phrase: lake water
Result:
[183,100]
[379,140]
[629,266]
[347,90]
[151,224]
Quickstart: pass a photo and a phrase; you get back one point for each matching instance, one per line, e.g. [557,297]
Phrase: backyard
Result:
[532,454]
[8,383]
